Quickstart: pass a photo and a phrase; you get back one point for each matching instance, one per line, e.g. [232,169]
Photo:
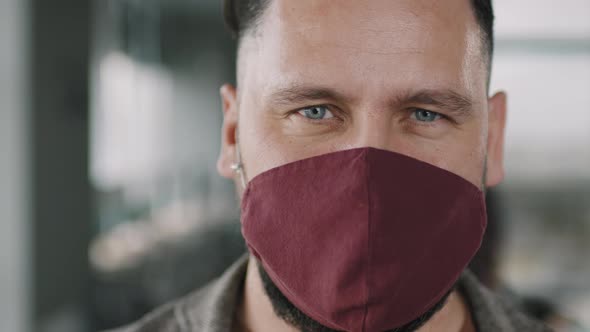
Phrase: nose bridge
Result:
[374,128]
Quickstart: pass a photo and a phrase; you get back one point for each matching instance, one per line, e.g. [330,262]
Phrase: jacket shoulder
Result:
[209,308]
[163,319]
[493,312]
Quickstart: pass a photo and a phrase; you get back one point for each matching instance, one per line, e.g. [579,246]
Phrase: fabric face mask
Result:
[363,239]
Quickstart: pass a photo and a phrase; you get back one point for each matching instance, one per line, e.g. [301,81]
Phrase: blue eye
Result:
[425,116]
[316,113]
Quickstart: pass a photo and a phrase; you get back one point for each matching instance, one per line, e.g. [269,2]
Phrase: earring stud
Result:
[237,167]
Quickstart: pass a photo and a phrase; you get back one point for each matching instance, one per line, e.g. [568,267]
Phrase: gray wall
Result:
[45,212]
[60,193]
[15,258]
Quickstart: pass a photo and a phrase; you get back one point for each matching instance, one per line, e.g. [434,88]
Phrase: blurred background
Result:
[110,123]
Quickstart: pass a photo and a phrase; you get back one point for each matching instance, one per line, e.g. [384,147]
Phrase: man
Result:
[361,139]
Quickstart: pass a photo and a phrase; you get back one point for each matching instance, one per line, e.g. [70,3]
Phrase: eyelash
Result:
[337,117]
[335,113]
[412,111]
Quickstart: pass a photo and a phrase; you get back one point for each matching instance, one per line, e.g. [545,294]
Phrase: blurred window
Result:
[543,61]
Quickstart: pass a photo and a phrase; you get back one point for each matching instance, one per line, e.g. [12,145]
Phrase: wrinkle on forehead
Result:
[367,42]
[379,26]
[329,24]
[370,50]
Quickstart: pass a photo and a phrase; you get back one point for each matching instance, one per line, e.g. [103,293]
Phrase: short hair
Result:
[242,15]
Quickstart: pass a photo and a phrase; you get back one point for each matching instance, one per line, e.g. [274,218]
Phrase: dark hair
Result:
[242,15]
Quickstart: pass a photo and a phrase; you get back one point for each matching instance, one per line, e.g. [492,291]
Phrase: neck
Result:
[255,312]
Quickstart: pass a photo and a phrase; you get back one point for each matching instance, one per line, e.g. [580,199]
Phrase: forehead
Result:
[364,45]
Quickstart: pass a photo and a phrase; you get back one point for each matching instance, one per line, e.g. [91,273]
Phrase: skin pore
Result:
[319,76]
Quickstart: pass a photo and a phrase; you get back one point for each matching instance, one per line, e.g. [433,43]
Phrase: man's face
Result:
[408,76]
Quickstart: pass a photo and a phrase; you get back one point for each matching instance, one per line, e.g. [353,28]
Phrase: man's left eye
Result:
[425,116]
[316,113]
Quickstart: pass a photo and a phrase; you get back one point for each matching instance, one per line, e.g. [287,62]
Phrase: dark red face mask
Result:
[363,239]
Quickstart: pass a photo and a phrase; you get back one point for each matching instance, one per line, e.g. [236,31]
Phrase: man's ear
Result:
[227,156]
[496,127]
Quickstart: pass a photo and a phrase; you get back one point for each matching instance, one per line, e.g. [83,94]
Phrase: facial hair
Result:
[287,311]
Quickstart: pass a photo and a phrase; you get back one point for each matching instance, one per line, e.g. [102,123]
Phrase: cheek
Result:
[473,168]
[469,157]
[262,144]
[268,140]
[462,154]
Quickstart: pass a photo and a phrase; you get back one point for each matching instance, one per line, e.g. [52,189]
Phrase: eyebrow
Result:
[296,94]
[445,99]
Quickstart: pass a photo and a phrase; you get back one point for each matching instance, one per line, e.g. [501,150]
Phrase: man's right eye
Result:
[316,113]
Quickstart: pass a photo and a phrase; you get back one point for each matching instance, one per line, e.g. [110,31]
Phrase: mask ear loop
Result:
[238,166]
